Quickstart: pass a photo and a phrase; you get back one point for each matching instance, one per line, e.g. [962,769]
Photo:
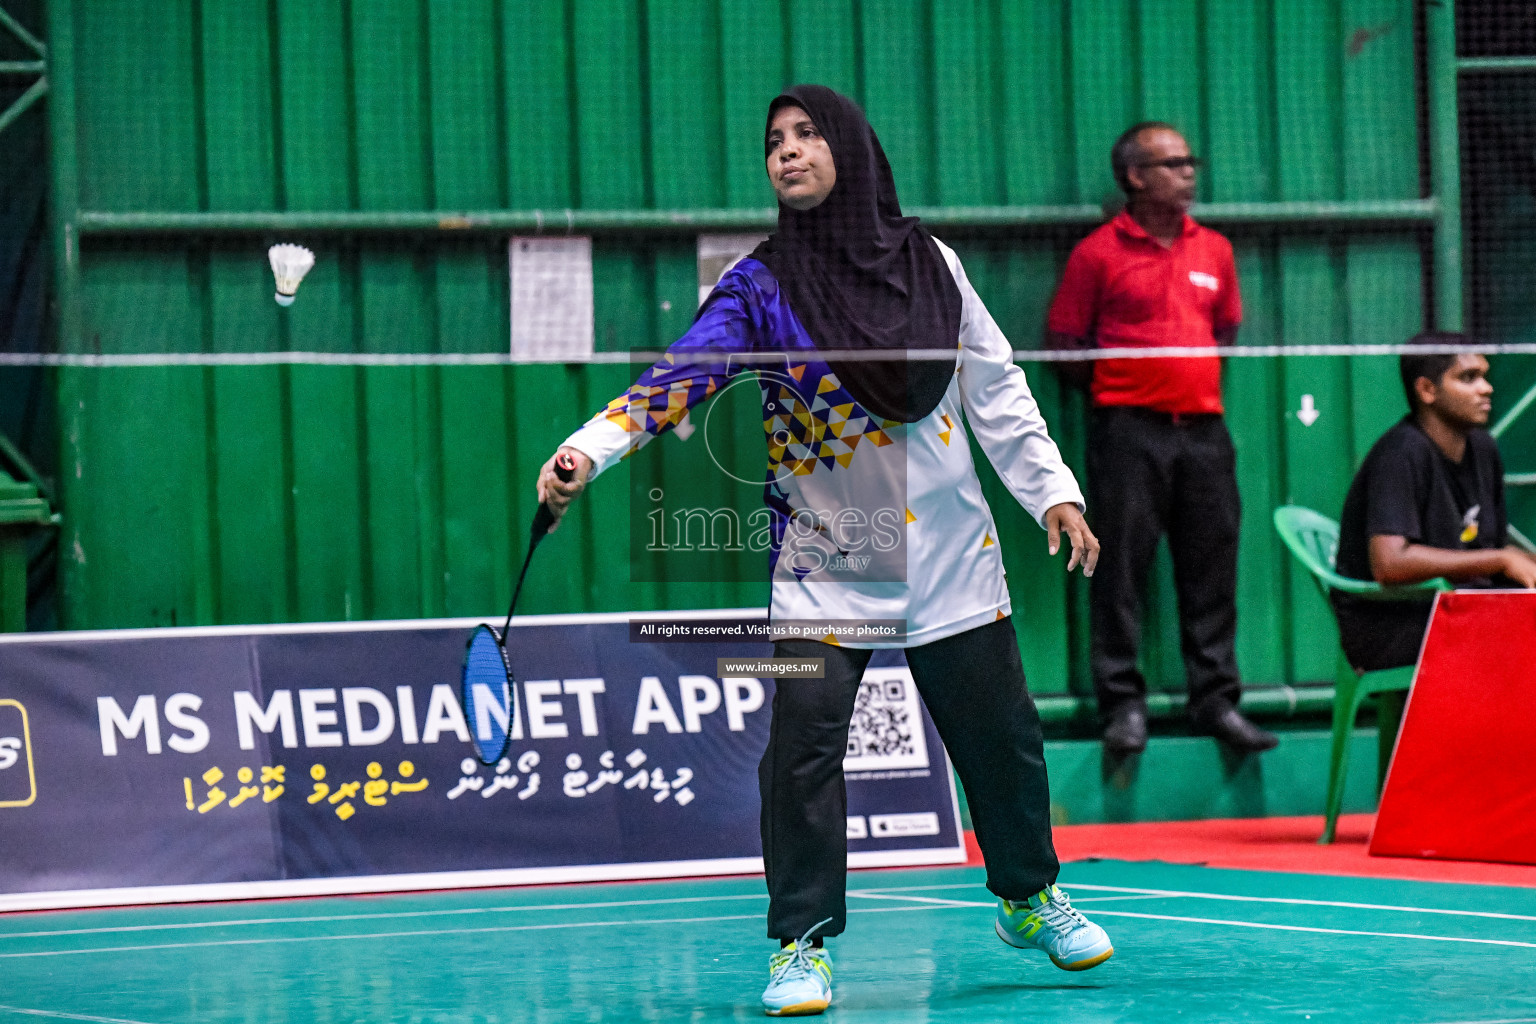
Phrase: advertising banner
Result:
[177,764]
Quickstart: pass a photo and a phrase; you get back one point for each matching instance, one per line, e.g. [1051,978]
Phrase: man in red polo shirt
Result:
[1160,459]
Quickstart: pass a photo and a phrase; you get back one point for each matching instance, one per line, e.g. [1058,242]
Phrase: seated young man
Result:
[1427,502]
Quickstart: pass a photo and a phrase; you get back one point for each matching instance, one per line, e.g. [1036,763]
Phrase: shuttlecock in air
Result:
[289,265]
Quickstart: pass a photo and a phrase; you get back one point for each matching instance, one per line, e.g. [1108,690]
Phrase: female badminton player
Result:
[885,355]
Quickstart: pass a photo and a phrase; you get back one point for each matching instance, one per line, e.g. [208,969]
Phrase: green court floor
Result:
[1192,944]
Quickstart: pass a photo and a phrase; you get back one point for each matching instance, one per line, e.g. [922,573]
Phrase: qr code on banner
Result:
[887,727]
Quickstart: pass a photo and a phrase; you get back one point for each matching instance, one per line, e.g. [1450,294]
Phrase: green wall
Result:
[252,494]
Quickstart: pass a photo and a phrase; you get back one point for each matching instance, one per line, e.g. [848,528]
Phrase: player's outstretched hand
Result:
[557,493]
[1085,546]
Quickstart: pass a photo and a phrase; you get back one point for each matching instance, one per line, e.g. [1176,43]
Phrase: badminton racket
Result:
[487,688]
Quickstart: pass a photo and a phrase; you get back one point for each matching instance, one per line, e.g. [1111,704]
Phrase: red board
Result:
[1462,785]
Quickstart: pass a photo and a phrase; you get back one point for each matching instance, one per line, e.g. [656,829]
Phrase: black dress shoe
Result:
[1126,732]
[1231,728]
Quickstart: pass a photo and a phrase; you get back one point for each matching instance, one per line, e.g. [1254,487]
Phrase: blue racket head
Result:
[488,695]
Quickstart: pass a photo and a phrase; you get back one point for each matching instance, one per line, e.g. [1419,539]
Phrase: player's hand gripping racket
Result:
[487,689]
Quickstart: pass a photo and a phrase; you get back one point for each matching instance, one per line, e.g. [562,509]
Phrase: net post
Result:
[1444,160]
[69,323]
[65,171]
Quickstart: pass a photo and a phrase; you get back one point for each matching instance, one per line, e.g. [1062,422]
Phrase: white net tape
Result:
[766,358]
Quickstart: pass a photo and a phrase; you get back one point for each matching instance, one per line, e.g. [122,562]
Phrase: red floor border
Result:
[1266,844]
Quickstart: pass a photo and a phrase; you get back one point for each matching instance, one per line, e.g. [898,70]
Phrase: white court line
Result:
[285,939]
[1311,928]
[1239,924]
[918,899]
[402,914]
[59,1014]
[1308,903]
[920,888]
[1506,1020]
[868,895]
[1112,899]
[461,912]
[875,892]
[924,905]
[1238,899]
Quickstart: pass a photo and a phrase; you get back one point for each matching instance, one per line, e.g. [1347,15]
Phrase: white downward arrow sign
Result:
[684,429]
[1308,413]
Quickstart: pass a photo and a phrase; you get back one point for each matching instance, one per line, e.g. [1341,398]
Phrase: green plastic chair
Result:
[1314,540]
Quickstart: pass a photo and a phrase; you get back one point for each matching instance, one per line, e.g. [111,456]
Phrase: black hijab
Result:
[859,275]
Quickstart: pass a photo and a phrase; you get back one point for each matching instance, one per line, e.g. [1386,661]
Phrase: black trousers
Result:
[1150,473]
[1380,634]
[973,686]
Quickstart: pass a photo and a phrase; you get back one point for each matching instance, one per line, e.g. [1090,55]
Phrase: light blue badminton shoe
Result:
[1047,921]
[799,979]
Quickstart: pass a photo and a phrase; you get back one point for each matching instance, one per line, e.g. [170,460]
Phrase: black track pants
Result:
[1149,475]
[973,686]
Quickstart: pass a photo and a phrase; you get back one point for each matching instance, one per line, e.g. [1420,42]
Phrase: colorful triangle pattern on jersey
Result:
[816,422]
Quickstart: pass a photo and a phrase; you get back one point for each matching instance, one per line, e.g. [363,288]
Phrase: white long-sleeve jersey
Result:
[872,520]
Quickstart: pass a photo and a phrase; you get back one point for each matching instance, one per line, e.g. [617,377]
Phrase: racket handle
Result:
[565,469]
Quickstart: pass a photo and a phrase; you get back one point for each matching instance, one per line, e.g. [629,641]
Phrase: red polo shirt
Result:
[1125,289]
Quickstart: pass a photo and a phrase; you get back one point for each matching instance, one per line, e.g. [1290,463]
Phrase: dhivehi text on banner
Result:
[178,764]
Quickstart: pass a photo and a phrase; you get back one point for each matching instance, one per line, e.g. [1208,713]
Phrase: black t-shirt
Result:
[1408,488]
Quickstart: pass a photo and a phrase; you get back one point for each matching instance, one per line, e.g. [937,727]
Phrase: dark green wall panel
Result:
[824,43]
[1104,80]
[463,72]
[138,109]
[244,494]
[537,97]
[611,134]
[311,62]
[1035,130]
[339,104]
[752,70]
[236,99]
[1239,138]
